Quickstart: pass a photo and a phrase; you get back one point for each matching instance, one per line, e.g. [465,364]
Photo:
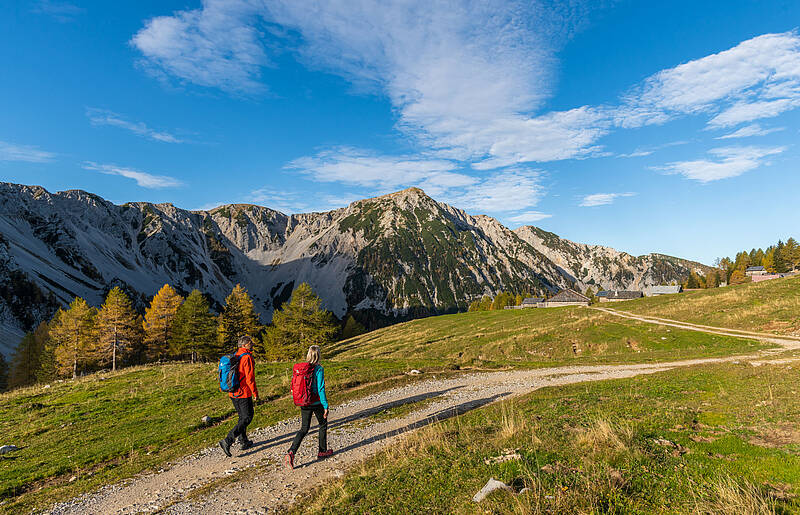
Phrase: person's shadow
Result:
[435,417]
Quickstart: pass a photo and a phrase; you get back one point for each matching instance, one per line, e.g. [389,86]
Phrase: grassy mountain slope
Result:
[713,439]
[770,306]
[103,428]
[534,337]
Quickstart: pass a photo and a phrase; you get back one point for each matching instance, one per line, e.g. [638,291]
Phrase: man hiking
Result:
[308,391]
[242,397]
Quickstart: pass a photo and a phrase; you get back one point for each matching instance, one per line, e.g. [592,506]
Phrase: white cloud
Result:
[602,199]
[750,130]
[730,162]
[143,179]
[358,167]
[757,78]
[63,12]
[26,153]
[528,217]
[217,46]
[500,192]
[105,117]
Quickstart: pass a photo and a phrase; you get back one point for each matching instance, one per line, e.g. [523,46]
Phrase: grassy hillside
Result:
[535,337]
[712,439]
[102,428]
[771,306]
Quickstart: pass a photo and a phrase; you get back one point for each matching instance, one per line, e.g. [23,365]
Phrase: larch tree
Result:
[118,329]
[518,299]
[194,332]
[238,318]
[158,322]
[73,332]
[300,323]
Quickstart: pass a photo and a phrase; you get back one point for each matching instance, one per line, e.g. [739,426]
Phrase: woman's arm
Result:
[321,387]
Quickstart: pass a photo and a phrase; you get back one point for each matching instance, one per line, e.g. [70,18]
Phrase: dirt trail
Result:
[256,482]
[786,342]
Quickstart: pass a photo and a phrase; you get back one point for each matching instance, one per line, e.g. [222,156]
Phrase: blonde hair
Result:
[313,355]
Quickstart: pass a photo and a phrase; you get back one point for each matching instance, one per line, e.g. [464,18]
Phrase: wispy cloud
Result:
[730,162]
[143,179]
[63,12]
[602,199]
[467,80]
[750,130]
[106,117]
[528,217]
[26,153]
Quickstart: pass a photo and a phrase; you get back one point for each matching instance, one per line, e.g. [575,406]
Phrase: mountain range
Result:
[383,259]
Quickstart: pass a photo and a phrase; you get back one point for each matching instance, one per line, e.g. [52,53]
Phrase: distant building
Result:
[566,298]
[767,277]
[664,290]
[618,295]
[753,271]
[531,302]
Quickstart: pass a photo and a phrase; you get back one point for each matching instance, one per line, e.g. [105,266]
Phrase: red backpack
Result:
[303,391]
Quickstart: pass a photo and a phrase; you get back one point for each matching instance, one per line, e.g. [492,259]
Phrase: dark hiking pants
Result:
[244,408]
[305,423]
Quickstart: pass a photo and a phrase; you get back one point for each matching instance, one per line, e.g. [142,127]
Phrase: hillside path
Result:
[256,481]
[787,342]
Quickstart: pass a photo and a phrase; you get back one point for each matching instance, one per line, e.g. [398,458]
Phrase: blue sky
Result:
[647,128]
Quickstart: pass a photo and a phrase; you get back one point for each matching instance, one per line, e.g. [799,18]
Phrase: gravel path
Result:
[256,482]
[787,342]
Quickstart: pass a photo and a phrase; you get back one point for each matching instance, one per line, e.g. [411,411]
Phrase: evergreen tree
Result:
[792,254]
[118,329]
[590,293]
[158,322]
[352,328]
[237,319]
[3,373]
[27,358]
[300,323]
[195,328]
[692,281]
[73,332]
[781,263]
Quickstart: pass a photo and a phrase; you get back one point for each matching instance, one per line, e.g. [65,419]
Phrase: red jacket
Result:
[247,376]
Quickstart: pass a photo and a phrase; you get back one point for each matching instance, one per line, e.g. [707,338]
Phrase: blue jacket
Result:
[319,384]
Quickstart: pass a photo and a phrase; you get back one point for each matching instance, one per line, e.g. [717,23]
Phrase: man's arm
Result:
[250,374]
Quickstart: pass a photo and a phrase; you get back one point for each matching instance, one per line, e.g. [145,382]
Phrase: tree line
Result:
[776,259]
[500,301]
[81,339]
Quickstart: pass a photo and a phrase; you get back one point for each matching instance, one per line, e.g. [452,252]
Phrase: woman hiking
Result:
[308,390]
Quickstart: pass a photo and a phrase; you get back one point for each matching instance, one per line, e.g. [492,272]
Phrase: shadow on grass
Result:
[288,436]
[430,419]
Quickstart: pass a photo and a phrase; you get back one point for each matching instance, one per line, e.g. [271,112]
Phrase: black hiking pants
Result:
[305,424]
[244,408]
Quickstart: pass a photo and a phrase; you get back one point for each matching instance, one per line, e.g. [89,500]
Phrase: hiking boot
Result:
[321,455]
[245,445]
[226,447]
[289,460]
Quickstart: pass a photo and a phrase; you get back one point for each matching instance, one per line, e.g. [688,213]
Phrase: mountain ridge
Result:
[382,259]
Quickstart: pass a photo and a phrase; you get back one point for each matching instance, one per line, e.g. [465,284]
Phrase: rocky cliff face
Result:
[606,268]
[396,256]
